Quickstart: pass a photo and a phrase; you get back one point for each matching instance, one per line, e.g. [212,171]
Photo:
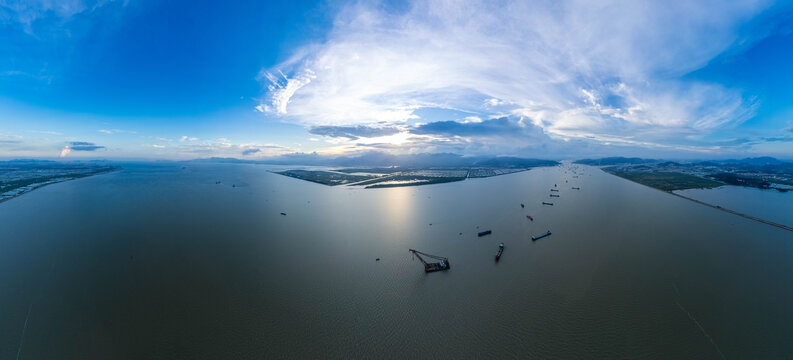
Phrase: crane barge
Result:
[443,264]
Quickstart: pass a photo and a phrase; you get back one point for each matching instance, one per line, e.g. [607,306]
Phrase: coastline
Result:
[41,185]
[767,222]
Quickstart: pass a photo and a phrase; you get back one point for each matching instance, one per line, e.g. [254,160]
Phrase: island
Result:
[397,176]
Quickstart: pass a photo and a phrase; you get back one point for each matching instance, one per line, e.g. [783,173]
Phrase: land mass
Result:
[18,177]
[395,176]
[762,172]
[669,176]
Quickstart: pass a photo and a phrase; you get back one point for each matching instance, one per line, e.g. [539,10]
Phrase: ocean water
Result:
[157,261]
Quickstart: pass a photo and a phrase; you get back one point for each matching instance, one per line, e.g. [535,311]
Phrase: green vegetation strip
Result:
[667,181]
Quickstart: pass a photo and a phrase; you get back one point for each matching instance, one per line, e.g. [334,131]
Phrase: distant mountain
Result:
[613,161]
[381,159]
[756,161]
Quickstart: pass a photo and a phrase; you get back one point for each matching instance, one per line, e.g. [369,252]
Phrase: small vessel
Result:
[556,190]
[529,217]
[533,238]
[486,232]
[552,195]
[547,203]
[522,206]
[576,188]
[442,264]
[500,250]
[284,214]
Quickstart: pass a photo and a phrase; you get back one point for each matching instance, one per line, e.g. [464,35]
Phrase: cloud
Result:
[80,146]
[602,70]
[186,138]
[222,147]
[116,131]
[84,146]
[27,13]
[502,127]
[353,132]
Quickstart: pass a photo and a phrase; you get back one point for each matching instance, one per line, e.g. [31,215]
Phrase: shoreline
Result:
[56,182]
[672,192]
[750,217]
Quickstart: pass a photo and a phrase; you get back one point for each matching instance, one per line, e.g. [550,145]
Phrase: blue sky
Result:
[253,79]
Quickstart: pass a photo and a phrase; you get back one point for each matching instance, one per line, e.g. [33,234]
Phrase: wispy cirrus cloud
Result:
[219,147]
[28,12]
[575,69]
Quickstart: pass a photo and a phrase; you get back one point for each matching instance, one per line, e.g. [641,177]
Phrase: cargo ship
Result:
[486,232]
[533,238]
[546,203]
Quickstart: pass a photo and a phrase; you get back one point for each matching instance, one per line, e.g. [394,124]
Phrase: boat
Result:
[486,232]
[522,206]
[529,217]
[500,250]
[534,238]
[552,195]
[546,203]
[442,264]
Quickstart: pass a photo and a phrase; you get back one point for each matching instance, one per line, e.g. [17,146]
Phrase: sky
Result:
[258,79]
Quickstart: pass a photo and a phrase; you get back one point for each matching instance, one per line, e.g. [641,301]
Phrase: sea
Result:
[196,261]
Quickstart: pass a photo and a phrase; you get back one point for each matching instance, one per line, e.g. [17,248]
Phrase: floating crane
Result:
[443,264]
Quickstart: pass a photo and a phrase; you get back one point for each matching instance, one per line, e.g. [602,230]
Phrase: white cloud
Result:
[27,12]
[604,68]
